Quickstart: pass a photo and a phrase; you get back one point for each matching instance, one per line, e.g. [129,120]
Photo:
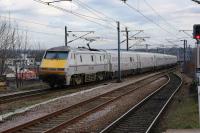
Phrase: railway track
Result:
[15,96]
[6,98]
[143,116]
[60,119]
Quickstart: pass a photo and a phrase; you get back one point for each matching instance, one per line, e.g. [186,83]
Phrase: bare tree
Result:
[12,44]
[7,44]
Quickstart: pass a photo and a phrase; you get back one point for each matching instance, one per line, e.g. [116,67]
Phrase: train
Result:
[74,66]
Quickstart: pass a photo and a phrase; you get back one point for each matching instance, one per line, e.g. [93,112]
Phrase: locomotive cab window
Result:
[58,55]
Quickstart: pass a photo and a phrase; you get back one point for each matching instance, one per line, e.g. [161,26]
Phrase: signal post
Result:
[196,35]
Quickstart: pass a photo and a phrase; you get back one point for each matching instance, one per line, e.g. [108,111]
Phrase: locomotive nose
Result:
[53,71]
[59,64]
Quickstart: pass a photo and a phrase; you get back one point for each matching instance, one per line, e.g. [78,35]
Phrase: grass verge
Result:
[182,112]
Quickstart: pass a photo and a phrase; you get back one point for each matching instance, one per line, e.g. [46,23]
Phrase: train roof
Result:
[60,48]
[67,48]
[82,49]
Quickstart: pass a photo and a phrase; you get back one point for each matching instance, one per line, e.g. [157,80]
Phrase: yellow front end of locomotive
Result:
[52,68]
[49,66]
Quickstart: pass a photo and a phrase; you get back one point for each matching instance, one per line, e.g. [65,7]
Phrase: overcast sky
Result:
[45,25]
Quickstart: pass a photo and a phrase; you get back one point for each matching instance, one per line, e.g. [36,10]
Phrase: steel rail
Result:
[19,95]
[10,97]
[56,113]
[109,127]
[164,107]
[73,120]
[131,111]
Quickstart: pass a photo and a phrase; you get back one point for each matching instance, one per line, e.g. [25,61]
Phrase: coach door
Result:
[75,62]
[109,62]
[155,62]
[138,63]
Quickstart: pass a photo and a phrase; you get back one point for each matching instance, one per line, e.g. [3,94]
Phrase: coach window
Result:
[100,58]
[131,59]
[92,58]
[81,58]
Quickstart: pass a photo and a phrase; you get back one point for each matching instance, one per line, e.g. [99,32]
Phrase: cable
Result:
[133,8]
[95,12]
[45,33]
[189,35]
[197,1]
[98,13]
[34,22]
[31,22]
[160,15]
[114,20]
[68,11]
[85,17]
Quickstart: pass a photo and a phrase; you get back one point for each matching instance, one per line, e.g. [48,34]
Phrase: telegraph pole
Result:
[147,47]
[185,43]
[184,55]
[185,46]
[127,39]
[66,35]
[163,49]
[119,69]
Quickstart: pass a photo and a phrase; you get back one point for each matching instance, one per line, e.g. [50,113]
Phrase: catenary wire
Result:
[98,12]
[31,22]
[149,19]
[82,16]
[173,27]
